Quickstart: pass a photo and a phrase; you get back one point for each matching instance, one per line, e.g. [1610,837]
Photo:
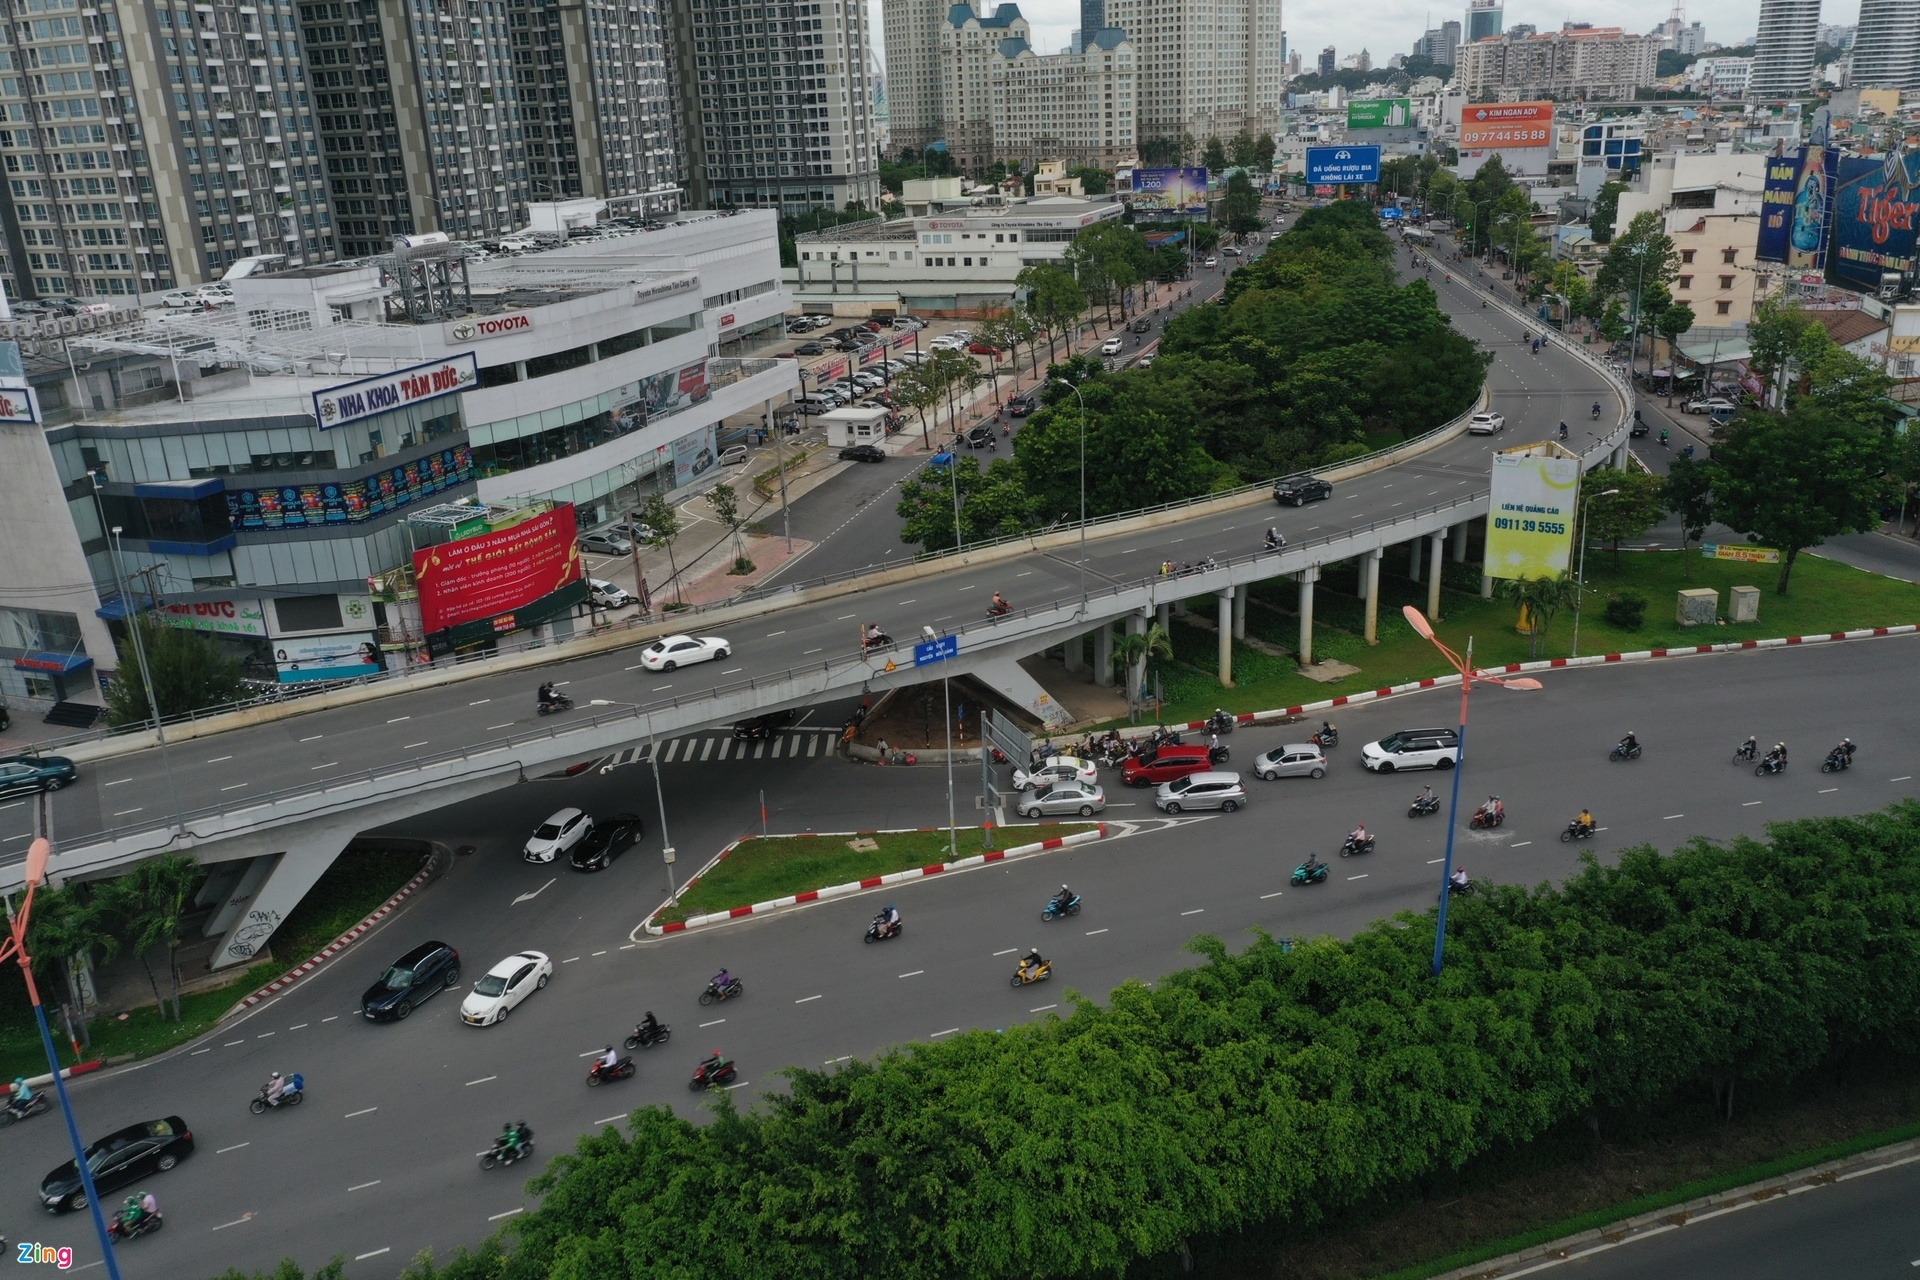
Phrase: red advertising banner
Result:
[495,573]
[1501,125]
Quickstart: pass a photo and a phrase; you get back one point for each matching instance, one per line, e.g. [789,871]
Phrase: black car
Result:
[609,838]
[980,438]
[809,349]
[410,980]
[123,1156]
[1296,491]
[765,726]
[863,453]
[1021,406]
[1639,427]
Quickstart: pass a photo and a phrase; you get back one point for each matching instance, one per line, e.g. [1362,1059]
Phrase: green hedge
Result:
[1268,1084]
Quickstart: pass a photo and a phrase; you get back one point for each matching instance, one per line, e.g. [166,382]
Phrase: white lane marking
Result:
[121,813]
[843,617]
[772,634]
[845,1057]
[528,897]
[636,666]
[235,787]
[367,1112]
[411,745]
[263,1035]
[1009,951]
[731,1087]
[1362,876]
[229,1044]
[606,1120]
[1670,817]
[1750,803]
[569,959]
[1129,549]
[707,751]
[481,702]
[661,688]
[235,1147]
[296,1026]
[599,953]
[1265,896]
[362,1257]
[218,759]
[915,600]
[245,1217]
[481,1080]
[330,1019]
[1196,911]
[949,1031]
[362,1186]
[315,738]
[1905,777]
[116,782]
[1026,574]
[732,671]
[508,1214]
[629,946]
[1091,932]
[914,974]
[398,719]
[331,764]
[1433,862]
[806,999]
[1521,844]
[1825,791]
[810,651]
[197,1052]
[716,1022]
[506,725]
[1043,1008]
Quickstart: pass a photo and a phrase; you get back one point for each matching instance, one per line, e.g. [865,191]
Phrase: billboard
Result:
[694,453]
[1813,209]
[1873,218]
[1503,125]
[1530,521]
[1170,190]
[222,617]
[1776,205]
[1380,113]
[327,657]
[349,502]
[1343,165]
[496,573]
[416,384]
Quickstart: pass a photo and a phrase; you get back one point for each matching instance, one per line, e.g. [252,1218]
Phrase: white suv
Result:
[1413,749]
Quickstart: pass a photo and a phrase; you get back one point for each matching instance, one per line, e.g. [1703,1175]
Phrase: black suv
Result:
[1021,406]
[411,979]
[1297,491]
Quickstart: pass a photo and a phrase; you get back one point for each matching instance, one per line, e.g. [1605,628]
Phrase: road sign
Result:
[929,651]
[1343,165]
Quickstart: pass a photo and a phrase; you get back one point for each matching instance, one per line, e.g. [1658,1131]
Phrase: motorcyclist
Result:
[1750,748]
[509,1139]
[1584,821]
[1312,864]
[1778,756]
[276,1086]
[712,1064]
[1062,898]
[1458,880]
[1358,836]
[1663,437]
[873,636]
[999,604]
[890,917]
[609,1060]
[1563,429]
[1493,810]
[131,1212]
[649,1026]
[720,981]
[1426,797]
[22,1095]
[1629,744]
[1031,963]
[1274,540]
[1845,749]
[1596,408]
[148,1205]
[1325,731]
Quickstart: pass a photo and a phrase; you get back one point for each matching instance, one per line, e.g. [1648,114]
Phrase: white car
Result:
[1058,769]
[559,833]
[1213,262]
[606,595]
[181,298]
[671,652]
[506,985]
[1111,347]
[947,344]
[1485,424]
[1436,748]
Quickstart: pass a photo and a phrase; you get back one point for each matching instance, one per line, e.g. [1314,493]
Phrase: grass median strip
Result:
[762,868]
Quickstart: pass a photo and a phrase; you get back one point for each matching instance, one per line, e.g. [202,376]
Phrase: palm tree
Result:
[72,932]
[1539,599]
[1133,651]
[150,901]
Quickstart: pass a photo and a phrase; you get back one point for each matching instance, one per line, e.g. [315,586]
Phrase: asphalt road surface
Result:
[381,1160]
[131,792]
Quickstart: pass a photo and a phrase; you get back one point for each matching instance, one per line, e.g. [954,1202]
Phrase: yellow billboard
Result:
[1530,518]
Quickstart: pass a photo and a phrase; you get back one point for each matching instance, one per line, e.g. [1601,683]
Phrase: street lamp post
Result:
[1083,490]
[140,655]
[38,854]
[1464,666]
[659,796]
[946,701]
[1580,578]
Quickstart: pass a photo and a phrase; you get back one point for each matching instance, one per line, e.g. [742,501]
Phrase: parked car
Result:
[909,323]
[1208,790]
[123,1156]
[609,838]
[1295,760]
[809,349]
[672,652]
[1485,424]
[754,728]
[504,987]
[1062,798]
[27,774]
[863,453]
[605,543]
[1164,764]
[1058,769]
[606,595]
[983,349]
[414,977]
[559,833]
[181,298]
[1709,404]
[1297,491]
[812,404]
[913,357]
[947,344]
[733,455]
[1413,749]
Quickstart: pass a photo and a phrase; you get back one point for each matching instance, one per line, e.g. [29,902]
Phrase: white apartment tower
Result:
[1210,67]
[1783,50]
[1886,46]
[969,44]
[912,29]
[1075,107]
[1597,64]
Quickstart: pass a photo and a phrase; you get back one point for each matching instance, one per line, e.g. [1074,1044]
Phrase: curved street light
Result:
[659,796]
[1083,490]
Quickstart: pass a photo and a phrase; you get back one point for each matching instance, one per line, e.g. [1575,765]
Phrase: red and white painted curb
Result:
[1546,664]
[872,882]
[66,1073]
[333,948]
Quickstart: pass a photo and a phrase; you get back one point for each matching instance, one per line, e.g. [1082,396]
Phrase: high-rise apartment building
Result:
[1328,61]
[1886,47]
[776,102]
[912,29]
[148,145]
[1211,67]
[969,43]
[1484,18]
[1783,50]
[1076,107]
[1440,44]
[1597,64]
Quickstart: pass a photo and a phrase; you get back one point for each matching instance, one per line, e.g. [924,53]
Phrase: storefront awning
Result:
[55,664]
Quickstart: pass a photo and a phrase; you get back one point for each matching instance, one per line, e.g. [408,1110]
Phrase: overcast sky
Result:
[1387,27]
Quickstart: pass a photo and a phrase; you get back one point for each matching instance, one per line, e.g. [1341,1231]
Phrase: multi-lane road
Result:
[1534,392]
[381,1162]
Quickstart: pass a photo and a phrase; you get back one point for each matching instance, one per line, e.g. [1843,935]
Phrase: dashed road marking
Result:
[599,953]
[509,1213]
[1750,803]
[362,1186]
[235,1147]
[1670,817]
[229,1044]
[235,787]
[315,738]
[398,719]
[330,1019]
[772,634]
[481,1080]
[1905,777]
[914,974]
[1265,896]
[245,1217]
[116,782]
[949,1031]
[806,999]
[1091,932]
[197,1052]
[1362,876]
[362,1257]
[1043,1008]
[1196,911]
[218,759]
[364,1112]
[296,1026]
[1827,791]
[716,1022]
[480,702]
[1519,844]
[411,745]
[1009,951]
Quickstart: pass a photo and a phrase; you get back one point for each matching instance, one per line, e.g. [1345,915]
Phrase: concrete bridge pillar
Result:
[1163,614]
[1618,458]
[1459,533]
[1370,587]
[1308,576]
[1438,542]
[1226,637]
[1413,565]
[1240,612]
[1074,653]
[1103,655]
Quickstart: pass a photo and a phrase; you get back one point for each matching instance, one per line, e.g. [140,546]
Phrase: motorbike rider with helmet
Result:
[1584,821]
[22,1096]
[1031,963]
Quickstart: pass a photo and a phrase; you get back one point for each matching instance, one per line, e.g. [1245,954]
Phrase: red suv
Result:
[1152,768]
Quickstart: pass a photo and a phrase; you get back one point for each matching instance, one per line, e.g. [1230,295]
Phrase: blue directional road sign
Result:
[935,650]
[1336,166]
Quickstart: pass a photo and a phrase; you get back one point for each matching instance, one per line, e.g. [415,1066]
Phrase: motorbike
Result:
[1423,805]
[1575,831]
[1596,413]
[999,610]
[881,641]
[1218,753]
[1275,543]
[1625,753]
[601,1072]
[1314,874]
[1456,887]
[1024,976]
[715,1070]
[505,1153]
[559,702]
[1221,722]
[1770,764]
[1746,753]
[644,1039]
[1350,847]
[291,1091]
[1836,761]
[118,1230]
[733,988]
[1325,737]
[1482,820]
[35,1105]
[1055,908]
[883,928]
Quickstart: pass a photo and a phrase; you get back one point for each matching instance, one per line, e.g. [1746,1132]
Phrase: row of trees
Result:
[140,912]
[1280,1085]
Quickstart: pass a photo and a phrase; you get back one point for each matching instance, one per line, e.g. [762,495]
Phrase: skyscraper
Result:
[1484,18]
[1210,68]
[912,29]
[1886,47]
[1783,51]
[1328,60]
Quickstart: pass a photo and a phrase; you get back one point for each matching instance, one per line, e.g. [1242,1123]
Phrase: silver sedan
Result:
[1295,760]
[1063,798]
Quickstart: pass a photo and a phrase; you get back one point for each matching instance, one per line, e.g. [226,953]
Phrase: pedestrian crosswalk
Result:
[713,747]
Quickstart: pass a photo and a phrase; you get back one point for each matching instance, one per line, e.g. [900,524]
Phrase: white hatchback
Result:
[505,985]
[559,833]
[1058,769]
[1485,424]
